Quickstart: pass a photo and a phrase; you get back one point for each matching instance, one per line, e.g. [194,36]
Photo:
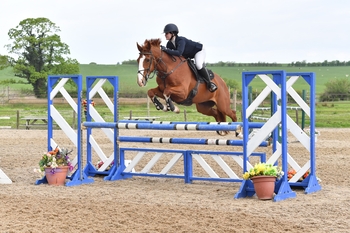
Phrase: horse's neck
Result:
[178,74]
[172,63]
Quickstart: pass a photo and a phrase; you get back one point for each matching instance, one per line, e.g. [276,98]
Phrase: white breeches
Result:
[199,58]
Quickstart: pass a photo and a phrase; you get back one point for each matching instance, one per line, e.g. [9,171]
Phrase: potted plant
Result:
[292,172]
[100,163]
[263,176]
[55,165]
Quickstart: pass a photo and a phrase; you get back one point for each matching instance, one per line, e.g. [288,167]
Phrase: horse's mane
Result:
[151,42]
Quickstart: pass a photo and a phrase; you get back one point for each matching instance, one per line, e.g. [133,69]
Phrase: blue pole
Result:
[194,141]
[161,126]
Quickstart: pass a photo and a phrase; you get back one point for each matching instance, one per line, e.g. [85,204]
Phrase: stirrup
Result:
[212,87]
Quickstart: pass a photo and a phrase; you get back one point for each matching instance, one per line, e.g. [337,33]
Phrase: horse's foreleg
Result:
[170,105]
[152,95]
[158,104]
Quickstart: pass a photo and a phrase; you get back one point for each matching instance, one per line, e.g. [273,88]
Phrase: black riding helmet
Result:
[171,28]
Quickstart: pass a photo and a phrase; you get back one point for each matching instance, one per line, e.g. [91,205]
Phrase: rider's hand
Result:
[163,48]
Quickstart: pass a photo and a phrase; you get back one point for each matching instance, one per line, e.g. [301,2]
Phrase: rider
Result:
[181,46]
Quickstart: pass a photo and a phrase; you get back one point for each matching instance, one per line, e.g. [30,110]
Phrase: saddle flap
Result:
[193,67]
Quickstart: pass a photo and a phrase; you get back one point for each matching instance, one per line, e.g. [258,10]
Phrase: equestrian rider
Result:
[181,46]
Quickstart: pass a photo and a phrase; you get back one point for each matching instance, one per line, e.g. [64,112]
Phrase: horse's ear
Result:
[147,45]
[139,47]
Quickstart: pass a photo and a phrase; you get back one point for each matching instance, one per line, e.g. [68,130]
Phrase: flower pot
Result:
[264,186]
[58,177]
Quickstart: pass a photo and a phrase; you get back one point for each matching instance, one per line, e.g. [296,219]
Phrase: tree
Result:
[40,52]
[3,62]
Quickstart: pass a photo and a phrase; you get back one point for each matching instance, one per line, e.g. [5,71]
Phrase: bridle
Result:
[158,63]
[148,70]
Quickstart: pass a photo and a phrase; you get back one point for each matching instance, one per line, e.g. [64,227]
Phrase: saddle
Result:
[199,78]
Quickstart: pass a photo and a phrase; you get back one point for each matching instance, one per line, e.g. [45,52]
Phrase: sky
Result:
[106,31]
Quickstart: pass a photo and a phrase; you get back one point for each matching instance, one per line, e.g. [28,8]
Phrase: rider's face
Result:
[167,36]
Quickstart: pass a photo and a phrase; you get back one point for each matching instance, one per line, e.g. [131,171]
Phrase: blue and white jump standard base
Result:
[56,84]
[280,87]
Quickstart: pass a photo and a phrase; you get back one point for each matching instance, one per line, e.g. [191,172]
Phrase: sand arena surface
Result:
[142,204]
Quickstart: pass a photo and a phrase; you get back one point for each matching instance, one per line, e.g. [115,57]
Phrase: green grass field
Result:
[128,73]
[323,74]
[333,114]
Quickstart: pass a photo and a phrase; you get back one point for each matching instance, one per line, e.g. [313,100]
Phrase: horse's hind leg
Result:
[208,110]
[232,114]
[225,110]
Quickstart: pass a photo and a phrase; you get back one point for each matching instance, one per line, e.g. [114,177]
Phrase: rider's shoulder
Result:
[181,38]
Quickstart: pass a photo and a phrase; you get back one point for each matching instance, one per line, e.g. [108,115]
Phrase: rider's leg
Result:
[204,73]
[200,61]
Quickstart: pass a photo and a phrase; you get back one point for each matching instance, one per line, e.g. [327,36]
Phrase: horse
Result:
[178,83]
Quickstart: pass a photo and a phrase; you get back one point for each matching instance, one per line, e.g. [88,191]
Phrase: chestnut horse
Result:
[177,82]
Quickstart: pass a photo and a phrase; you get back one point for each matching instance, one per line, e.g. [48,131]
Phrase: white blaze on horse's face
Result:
[140,76]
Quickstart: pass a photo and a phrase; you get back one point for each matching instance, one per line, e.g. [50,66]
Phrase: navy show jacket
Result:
[183,47]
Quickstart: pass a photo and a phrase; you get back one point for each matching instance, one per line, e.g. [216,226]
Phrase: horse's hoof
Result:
[239,135]
[222,133]
[176,110]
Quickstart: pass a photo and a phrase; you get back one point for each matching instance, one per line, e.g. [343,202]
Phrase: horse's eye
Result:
[147,60]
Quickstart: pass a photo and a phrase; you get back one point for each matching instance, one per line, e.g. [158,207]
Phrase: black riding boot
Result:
[204,73]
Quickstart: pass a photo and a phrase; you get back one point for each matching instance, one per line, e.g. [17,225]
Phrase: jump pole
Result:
[122,171]
[111,129]
[186,127]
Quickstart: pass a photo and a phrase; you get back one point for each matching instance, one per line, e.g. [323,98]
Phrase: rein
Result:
[192,93]
[160,63]
[165,74]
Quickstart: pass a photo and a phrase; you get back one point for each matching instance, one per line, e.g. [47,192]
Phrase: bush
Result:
[336,90]
[10,81]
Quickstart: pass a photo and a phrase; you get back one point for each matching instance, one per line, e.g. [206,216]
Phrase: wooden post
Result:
[234,100]
[8,94]
[148,110]
[73,123]
[17,121]
[297,116]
